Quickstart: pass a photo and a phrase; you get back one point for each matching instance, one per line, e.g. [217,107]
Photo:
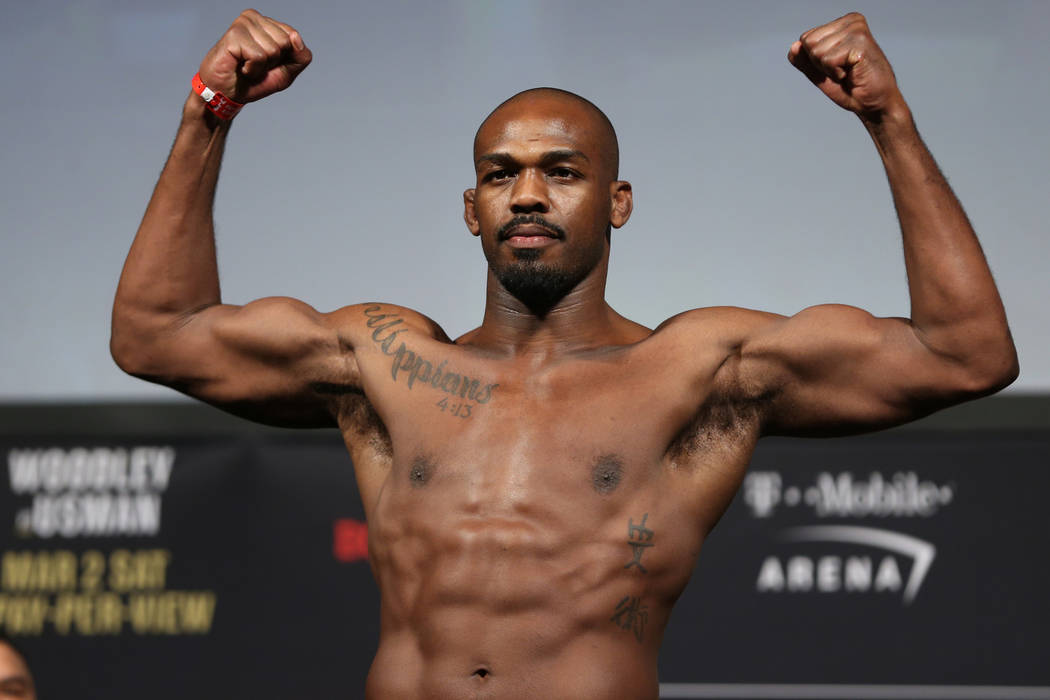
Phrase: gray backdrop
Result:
[750,187]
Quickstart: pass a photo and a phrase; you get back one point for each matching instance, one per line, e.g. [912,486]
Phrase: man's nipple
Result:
[420,471]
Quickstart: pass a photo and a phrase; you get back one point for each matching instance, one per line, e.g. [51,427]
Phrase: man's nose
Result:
[529,194]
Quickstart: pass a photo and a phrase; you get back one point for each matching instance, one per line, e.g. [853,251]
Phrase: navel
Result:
[420,471]
[607,473]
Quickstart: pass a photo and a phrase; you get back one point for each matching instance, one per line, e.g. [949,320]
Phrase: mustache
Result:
[534,219]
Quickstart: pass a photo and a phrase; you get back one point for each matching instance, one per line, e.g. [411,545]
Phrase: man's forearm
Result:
[171,269]
[955,306]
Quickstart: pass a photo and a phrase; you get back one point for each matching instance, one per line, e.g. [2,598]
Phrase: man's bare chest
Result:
[407,371]
[430,392]
[605,424]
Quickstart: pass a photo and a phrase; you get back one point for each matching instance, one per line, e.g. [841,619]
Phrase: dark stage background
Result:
[169,551]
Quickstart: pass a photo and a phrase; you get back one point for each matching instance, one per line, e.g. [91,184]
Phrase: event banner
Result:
[905,559]
[238,567]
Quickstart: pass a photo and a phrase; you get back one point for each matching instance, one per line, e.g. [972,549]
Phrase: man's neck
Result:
[581,320]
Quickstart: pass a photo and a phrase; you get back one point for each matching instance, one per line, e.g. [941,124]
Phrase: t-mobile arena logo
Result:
[858,573]
[844,495]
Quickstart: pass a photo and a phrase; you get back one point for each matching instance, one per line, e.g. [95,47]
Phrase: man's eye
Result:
[14,688]
[562,172]
[498,175]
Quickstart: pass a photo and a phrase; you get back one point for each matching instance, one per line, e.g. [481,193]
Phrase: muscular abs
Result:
[530,526]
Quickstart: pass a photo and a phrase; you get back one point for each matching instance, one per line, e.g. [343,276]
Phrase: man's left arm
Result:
[836,369]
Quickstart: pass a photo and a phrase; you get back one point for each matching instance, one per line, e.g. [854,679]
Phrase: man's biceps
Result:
[838,319]
[848,331]
[276,310]
[264,324]
[833,348]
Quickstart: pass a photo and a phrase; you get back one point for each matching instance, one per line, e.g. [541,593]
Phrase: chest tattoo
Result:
[640,538]
[416,370]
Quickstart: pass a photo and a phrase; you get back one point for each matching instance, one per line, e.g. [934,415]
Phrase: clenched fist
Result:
[256,57]
[843,60]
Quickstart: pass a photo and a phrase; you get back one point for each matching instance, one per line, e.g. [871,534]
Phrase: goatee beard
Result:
[534,284]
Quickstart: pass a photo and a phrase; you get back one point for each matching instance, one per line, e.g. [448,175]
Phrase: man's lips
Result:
[530,236]
[529,231]
[529,226]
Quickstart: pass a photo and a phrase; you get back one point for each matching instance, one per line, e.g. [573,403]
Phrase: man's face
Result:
[545,196]
[15,681]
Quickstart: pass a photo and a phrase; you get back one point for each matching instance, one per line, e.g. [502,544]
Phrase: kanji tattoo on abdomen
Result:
[640,538]
[632,616]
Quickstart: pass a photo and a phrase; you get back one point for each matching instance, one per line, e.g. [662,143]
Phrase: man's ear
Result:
[622,203]
[469,215]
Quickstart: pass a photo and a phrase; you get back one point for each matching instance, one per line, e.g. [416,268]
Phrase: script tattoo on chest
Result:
[416,370]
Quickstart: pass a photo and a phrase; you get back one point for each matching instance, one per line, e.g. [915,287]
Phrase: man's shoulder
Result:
[379,318]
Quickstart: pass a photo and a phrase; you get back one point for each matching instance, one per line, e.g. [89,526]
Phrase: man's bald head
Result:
[544,98]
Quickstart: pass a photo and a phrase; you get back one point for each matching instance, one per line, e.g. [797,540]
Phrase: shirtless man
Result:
[538,489]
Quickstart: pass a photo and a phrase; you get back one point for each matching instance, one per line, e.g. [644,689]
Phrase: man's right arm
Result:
[274,360]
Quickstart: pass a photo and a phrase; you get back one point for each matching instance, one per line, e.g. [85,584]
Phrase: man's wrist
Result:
[895,113]
[217,103]
[889,124]
[196,113]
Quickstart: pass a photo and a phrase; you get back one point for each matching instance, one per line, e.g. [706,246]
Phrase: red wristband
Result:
[219,104]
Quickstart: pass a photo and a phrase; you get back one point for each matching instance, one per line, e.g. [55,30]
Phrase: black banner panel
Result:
[894,565]
[865,567]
